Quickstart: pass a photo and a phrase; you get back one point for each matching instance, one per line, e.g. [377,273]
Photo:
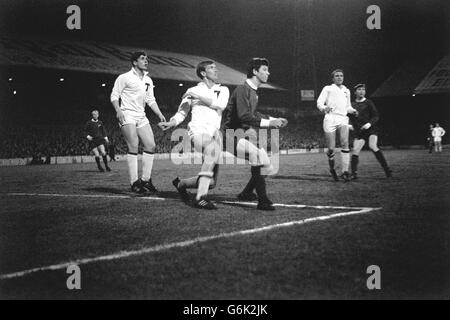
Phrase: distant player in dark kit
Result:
[364,124]
[96,135]
[430,139]
[241,114]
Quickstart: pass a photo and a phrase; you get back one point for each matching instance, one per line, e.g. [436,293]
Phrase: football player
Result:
[438,132]
[205,101]
[96,135]
[135,90]
[334,101]
[364,124]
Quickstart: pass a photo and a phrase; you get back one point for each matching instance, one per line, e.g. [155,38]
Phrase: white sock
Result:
[203,186]
[345,160]
[132,161]
[147,165]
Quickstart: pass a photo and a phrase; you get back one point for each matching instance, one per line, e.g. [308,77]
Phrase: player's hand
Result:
[366,126]
[327,109]
[352,111]
[162,118]
[106,139]
[275,123]
[120,116]
[350,127]
[284,122]
[164,125]
[90,138]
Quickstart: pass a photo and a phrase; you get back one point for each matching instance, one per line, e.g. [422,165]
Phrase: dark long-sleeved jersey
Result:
[95,129]
[367,112]
[241,109]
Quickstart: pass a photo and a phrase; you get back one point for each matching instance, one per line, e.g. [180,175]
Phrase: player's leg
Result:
[131,138]
[358,144]
[97,159]
[145,134]
[330,138]
[101,149]
[373,145]
[246,150]
[345,150]
[258,159]
[439,146]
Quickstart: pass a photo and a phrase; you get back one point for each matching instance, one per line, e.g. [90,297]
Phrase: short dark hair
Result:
[334,72]
[255,64]
[359,85]
[135,56]
[202,67]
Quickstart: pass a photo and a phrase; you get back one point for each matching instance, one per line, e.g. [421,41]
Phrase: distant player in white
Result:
[206,101]
[335,102]
[135,90]
[437,134]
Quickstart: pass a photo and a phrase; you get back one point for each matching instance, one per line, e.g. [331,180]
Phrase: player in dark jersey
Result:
[430,139]
[96,135]
[241,115]
[364,124]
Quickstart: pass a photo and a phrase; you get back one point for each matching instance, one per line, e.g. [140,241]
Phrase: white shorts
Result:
[437,139]
[138,120]
[195,129]
[331,122]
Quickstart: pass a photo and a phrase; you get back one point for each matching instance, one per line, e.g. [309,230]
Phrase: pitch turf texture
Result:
[146,248]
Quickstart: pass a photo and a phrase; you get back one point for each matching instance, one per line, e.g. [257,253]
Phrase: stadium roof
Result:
[418,76]
[108,58]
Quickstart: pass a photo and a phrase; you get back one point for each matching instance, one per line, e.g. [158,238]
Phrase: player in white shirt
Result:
[437,134]
[335,102]
[205,101]
[134,90]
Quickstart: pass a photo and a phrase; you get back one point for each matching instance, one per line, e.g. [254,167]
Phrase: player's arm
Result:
[87,130]
[442,132]
[246,116]
[350,109]
[321,100]
[117,90]
[179,117]
[151,102]
[374,116]
[104,135]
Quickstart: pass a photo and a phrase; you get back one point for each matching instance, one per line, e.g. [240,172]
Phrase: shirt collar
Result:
[201,83]
[94,120]
[362,100]
[251,84]
[134,71]
[341,88]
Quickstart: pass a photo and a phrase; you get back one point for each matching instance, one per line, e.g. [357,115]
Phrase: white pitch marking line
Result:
[162,199]
[158,248]
[85,196]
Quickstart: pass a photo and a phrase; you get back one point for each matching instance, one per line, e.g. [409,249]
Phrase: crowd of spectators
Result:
[48,140]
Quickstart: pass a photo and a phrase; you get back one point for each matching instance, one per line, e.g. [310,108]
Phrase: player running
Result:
[135,90]
[206,101]
[334,101]
[364,124]
[438,133]
[97,138]
[241,114]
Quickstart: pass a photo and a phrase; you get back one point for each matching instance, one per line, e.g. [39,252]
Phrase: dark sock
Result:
[354,163]
[330,160]
[259,183]
[380,157]
[256,172]
[105,161]
[97,159]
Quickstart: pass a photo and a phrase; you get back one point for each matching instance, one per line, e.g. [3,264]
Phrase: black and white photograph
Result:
[224,154]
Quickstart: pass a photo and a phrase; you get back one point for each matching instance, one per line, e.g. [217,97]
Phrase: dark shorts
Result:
[96,142]
[365,134]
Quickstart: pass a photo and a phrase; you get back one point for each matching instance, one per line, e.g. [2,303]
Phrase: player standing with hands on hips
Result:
[97,138]
[135,90]
[334,101]
[437,133]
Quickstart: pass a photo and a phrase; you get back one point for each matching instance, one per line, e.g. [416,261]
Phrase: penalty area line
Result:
[181,244]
